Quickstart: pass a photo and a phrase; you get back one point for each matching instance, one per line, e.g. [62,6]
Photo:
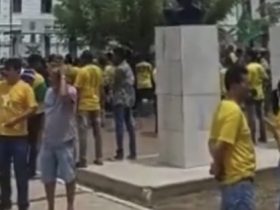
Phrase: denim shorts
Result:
[239,196]
[58,162]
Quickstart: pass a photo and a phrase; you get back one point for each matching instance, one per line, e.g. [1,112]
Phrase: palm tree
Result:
[217,10]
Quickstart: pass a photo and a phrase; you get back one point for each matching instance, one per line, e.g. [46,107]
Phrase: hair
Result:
[34,59]
[120,52]
[253,55]
[230,48]
[68,59]
[239,52]
[234,75]
[87,57]
[51,58]
[102,60]
[76,62]
[110,56]
[13,63]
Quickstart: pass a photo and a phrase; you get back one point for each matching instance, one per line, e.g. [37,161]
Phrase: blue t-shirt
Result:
[60,113]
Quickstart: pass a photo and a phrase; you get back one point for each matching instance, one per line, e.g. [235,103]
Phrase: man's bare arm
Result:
[14,121]
[219,153]
[273,128]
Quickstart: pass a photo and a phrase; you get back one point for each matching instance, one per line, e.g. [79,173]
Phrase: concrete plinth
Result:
[188,90]
[148,183]
[274,46]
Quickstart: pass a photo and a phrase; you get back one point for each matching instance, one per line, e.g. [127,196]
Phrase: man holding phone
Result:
[59,137]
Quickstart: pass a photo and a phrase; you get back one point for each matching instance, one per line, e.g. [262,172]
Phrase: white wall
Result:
[31,9]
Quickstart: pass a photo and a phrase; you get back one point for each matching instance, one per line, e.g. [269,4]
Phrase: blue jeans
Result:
[14,149]
[123,116]
[239,196]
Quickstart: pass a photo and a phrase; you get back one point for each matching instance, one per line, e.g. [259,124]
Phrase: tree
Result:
[256,30]
[70,17]
[217,10]
[102,19]
[96,21]
[138,20]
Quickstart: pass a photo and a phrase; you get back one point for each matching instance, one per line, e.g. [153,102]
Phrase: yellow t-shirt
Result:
[71,74]
[257,75]
[230,126]
[38,80]
[14,101]
[88,82]
[144,75]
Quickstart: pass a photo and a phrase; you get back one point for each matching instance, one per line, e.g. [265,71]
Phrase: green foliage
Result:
[217,10]
[248,30]
[95,21]
[69,16]
[271,11]
[130,22]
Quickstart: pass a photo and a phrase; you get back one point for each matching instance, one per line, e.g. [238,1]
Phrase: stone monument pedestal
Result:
[274,46]
[188,91]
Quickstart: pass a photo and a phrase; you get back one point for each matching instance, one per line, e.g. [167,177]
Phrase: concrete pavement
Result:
[85,199]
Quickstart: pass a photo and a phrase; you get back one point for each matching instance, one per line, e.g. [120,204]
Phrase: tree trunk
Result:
[265,36]
[73,46]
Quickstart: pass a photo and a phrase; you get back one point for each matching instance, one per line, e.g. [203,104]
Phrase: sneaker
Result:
[5,207]
[81,164]
[98,162]
[132,157]
[118,157]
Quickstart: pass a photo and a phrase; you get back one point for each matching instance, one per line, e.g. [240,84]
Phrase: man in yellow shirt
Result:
[254,107]
[90,90]
[231,145]
[144,81]
[17,104]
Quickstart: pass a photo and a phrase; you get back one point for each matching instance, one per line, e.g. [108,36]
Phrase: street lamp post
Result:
[11,29]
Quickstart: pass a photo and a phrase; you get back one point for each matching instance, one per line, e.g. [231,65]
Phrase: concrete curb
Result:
[149,196]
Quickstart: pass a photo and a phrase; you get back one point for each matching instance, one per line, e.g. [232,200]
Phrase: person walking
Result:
[89,84]
[17,104]
[231,145]
[123,101]
[255,106]
[59,136]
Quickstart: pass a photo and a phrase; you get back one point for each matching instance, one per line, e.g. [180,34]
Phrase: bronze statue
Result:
[186,14]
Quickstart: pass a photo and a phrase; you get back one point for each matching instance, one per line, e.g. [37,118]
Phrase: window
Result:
[17,5]
[46,6]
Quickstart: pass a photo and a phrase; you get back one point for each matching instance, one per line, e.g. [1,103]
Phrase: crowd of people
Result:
[48,105]
[245,85]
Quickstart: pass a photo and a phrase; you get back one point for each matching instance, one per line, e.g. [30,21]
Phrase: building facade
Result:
[27,26]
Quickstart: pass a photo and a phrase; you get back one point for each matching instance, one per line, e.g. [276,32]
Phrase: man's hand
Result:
[63,70]
[216,171]
[11,123]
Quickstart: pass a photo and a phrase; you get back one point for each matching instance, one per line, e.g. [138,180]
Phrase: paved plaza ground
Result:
[267,190]
[207,200]
[85,199]
[147,142]
[267,199]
